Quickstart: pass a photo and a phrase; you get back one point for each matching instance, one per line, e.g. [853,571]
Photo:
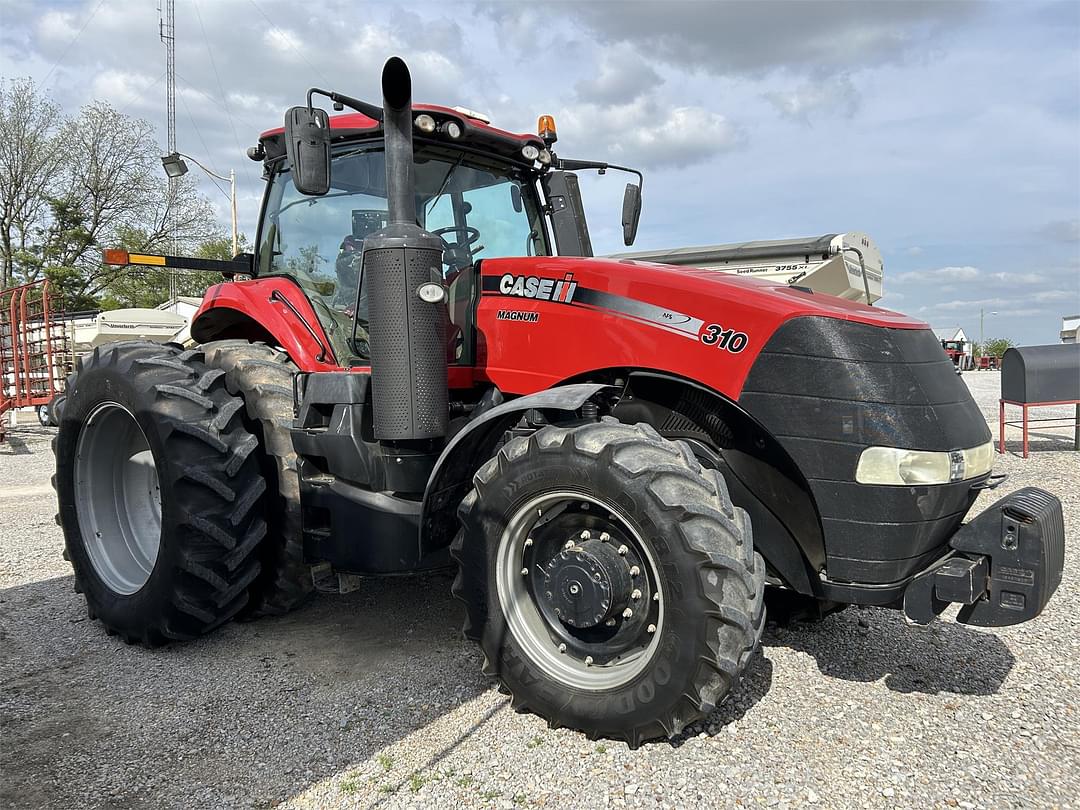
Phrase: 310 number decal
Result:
[728,339]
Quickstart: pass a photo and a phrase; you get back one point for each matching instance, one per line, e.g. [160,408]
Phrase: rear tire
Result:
[263,378]
[695,614]
[160,493]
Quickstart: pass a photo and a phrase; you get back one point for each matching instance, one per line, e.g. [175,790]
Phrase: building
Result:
[1069,326]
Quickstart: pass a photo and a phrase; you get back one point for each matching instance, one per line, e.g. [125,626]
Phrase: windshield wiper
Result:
[442,188]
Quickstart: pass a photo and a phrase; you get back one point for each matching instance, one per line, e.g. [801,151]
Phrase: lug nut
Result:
[652,628]
[635,594]
[604,537]
[524,572]
[585,535]
[528,542]
[623,550]
[609,623]
[569,544]
[588,660]
[626,614]
[656,596]
[562,648]
[634,570]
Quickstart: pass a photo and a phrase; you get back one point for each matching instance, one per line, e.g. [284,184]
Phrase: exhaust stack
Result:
[408,334]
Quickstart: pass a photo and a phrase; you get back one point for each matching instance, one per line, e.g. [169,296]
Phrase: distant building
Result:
[1069,326]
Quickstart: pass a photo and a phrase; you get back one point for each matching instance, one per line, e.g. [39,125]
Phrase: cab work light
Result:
[895,466]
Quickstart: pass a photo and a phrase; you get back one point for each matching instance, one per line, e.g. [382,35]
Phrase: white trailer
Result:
[847,265]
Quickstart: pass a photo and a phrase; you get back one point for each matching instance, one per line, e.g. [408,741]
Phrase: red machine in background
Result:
[34,352]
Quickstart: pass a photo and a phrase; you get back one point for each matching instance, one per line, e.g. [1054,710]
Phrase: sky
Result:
[948,131]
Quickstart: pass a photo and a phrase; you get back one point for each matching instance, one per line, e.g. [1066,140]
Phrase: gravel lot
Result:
[374,699]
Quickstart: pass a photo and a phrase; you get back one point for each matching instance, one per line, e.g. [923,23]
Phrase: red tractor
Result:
[618,457]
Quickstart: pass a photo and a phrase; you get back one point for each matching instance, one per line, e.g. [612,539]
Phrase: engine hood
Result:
[665,281]
[700,324]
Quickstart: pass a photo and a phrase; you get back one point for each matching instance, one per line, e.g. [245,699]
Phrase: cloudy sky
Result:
[949,131]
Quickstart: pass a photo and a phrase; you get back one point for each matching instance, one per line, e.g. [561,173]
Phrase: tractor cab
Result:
[479,204]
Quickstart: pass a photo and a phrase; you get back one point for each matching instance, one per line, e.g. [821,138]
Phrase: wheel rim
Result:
[117,498]
[542,555]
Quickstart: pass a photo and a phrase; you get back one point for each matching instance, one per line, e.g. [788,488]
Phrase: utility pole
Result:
[167,33]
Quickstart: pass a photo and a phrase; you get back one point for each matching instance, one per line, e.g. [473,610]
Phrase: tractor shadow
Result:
[865,645]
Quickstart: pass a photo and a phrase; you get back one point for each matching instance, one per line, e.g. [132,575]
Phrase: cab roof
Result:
[475,133]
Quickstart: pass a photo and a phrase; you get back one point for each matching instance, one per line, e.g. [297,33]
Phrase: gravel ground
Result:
[374,700]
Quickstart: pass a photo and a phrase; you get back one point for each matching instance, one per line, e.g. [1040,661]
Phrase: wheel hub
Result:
[586,583]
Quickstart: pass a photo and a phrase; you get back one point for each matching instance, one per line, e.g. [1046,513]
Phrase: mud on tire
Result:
[708,577]
[206,486]
[263,377]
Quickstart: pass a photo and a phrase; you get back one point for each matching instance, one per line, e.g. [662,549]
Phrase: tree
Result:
[995,347]
[30,156]
[101,186]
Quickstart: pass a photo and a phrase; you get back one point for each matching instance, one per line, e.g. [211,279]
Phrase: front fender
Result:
[474,444]
[257,310]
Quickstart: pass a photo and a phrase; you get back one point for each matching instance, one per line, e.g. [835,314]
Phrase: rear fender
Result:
[475,443]
[273,310]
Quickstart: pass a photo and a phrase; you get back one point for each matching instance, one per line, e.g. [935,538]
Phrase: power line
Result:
[287,41]
[221,88]
[74,39]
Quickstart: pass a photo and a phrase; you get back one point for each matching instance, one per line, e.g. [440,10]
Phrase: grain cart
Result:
[617,457]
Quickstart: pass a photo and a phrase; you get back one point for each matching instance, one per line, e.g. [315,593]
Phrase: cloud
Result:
[1062,231]
[836,96]
[675,138]
[965,273]
[1019,278]
[284,41]
[622,76]
[1007,306]
[753,38]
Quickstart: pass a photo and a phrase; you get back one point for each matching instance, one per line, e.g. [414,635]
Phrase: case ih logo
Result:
[543,289]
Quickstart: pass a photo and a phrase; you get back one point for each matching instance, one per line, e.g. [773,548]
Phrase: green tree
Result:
[995,347]
[71,187]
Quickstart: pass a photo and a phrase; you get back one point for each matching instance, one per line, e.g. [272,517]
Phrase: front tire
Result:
[160,493]
[611,584]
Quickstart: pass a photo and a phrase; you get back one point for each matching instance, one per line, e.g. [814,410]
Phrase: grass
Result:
[488,795]
[348,786]
[464,781]
[416,781]
[535,742]
[601,748]
[386,761]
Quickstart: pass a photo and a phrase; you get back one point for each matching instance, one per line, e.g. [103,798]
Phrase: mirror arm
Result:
[600,166]
[370,110]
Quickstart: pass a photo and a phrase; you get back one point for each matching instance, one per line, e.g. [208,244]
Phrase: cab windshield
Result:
[480,208]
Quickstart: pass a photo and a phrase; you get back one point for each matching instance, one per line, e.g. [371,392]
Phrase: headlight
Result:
[452,129]
[530,152]
[895,466]
[425,123]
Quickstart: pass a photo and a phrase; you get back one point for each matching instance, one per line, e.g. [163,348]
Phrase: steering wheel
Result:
[472,235]
[459,254]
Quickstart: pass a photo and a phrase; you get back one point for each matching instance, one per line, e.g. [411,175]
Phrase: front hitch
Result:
[1003,566]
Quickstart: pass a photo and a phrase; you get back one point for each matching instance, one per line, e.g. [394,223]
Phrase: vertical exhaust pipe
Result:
[408,334]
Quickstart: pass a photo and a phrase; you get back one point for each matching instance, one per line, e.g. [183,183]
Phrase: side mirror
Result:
[631,213]
[307,145]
